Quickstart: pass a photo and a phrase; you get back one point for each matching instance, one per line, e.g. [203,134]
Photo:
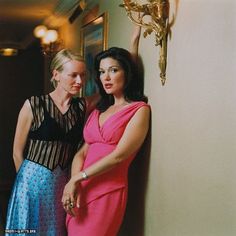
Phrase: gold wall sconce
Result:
[48,39]
[154,17]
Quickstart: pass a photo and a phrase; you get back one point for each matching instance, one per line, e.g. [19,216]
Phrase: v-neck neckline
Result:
[109,117]
[63,114]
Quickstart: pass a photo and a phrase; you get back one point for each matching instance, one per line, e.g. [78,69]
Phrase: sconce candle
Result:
[158,10]
[40,31]
[48,39]
[51,36]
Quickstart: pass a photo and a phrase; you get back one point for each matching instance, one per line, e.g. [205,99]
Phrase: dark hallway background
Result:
[20,77]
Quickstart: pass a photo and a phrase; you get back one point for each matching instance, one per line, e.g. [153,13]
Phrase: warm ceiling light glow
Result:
[40,31]
[51,36]
[48,39]
[8,52]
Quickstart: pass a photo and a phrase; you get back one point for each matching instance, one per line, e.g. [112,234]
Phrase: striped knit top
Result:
[54,137]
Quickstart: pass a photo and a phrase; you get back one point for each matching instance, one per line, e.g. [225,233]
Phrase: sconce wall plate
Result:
[158,12]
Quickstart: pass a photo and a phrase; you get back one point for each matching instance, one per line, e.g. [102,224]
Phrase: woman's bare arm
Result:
[130,142]
[22,130]
[78,159]
[134,42]
[72,191]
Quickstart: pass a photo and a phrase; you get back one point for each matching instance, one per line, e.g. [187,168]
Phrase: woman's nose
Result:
[78,79]
[107,76]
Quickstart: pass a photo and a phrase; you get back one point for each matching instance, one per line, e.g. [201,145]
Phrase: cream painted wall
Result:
[192,179]
[191,191]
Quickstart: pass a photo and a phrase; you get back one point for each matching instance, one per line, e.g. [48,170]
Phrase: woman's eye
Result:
[113,70]
[101,72]
[72,75]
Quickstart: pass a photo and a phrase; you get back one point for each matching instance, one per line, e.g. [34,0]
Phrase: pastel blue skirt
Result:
[35,206]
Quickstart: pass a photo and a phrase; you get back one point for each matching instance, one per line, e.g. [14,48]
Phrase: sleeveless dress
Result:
[35,206]
[103,198]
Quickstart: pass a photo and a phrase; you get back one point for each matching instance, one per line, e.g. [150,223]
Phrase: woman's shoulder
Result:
[38,102]
[36,98]
[140,104]
[140,109]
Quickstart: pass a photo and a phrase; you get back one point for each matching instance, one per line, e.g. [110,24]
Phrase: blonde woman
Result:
[52,127]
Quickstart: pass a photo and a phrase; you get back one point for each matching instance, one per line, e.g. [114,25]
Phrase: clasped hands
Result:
[71,197]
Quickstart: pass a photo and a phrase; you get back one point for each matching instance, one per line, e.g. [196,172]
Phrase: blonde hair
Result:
[61,58]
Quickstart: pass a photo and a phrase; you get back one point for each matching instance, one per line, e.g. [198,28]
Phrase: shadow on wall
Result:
[133,224]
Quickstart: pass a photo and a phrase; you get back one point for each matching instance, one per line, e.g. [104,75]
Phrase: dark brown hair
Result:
[132,91]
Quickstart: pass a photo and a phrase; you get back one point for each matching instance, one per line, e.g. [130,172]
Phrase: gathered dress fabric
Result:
[103,198]
[35,206]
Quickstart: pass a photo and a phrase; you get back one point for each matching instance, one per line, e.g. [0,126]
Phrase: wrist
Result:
[74,180]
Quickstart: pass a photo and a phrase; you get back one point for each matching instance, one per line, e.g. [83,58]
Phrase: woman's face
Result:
[72,76]
[112,76]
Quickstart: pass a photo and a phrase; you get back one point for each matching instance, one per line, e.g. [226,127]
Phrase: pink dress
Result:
[104,197]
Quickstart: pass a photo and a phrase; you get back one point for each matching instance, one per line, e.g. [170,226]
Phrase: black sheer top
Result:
[55,137]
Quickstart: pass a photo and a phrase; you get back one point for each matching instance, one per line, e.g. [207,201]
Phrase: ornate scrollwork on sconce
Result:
[158,11]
